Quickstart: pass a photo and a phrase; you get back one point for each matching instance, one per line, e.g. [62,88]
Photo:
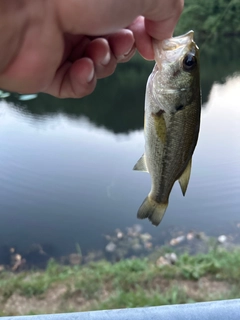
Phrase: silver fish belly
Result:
[171,122]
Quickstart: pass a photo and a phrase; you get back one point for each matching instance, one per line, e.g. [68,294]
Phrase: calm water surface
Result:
[66,165]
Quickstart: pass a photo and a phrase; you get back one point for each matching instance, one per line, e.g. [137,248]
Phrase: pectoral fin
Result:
[184,179]
[141,164]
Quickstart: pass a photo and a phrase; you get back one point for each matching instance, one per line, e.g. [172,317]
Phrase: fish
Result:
[171,121]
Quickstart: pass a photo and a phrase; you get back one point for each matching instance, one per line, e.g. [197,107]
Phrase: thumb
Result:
[160,22]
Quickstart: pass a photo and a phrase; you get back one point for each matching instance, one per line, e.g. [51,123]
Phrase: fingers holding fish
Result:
[143,40]
[103,59]
[161,18]
[157,22]
[74,80]
[78,75]
[122,44]
[146,18]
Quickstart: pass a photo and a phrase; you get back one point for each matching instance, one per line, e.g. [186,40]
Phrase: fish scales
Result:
[171,123]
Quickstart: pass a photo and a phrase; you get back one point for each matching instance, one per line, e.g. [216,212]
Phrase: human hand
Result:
[62,47]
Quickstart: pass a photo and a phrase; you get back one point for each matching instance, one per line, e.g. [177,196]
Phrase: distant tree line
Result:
[210,17]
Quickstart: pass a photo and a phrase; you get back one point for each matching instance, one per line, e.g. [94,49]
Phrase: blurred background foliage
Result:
[218,17]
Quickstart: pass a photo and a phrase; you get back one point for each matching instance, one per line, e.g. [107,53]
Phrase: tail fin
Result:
[152,210]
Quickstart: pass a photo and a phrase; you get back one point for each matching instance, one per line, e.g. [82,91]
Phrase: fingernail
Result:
[127,53]
[106,59]
[90,76]
[122,57]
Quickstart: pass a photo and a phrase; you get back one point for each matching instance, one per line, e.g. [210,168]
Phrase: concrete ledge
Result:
[216,310]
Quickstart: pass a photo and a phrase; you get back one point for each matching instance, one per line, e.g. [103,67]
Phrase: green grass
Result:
[131,282]
[143,298]
[221,264]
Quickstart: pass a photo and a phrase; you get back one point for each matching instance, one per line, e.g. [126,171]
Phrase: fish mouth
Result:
[174,43]
[182,38]
[173,49]
[177,42]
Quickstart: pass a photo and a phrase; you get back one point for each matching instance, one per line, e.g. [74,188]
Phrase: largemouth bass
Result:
[171,121]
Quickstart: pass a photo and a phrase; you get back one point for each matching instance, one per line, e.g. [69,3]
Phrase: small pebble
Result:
[75,259]
[119,235]
[171,257]
[190,235]
[148,245]
[161,261]
[110,247]
[222,239]
[177,240]
[17,257]
[145,237]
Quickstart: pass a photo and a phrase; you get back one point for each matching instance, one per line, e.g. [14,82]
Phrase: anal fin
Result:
[184,179]
[141,164]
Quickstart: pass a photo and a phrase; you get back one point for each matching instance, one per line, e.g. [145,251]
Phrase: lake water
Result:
[66,165]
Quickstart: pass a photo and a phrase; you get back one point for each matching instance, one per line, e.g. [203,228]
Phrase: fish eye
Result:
[189,62]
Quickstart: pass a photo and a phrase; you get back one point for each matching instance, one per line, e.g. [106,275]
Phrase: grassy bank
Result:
[128,283]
